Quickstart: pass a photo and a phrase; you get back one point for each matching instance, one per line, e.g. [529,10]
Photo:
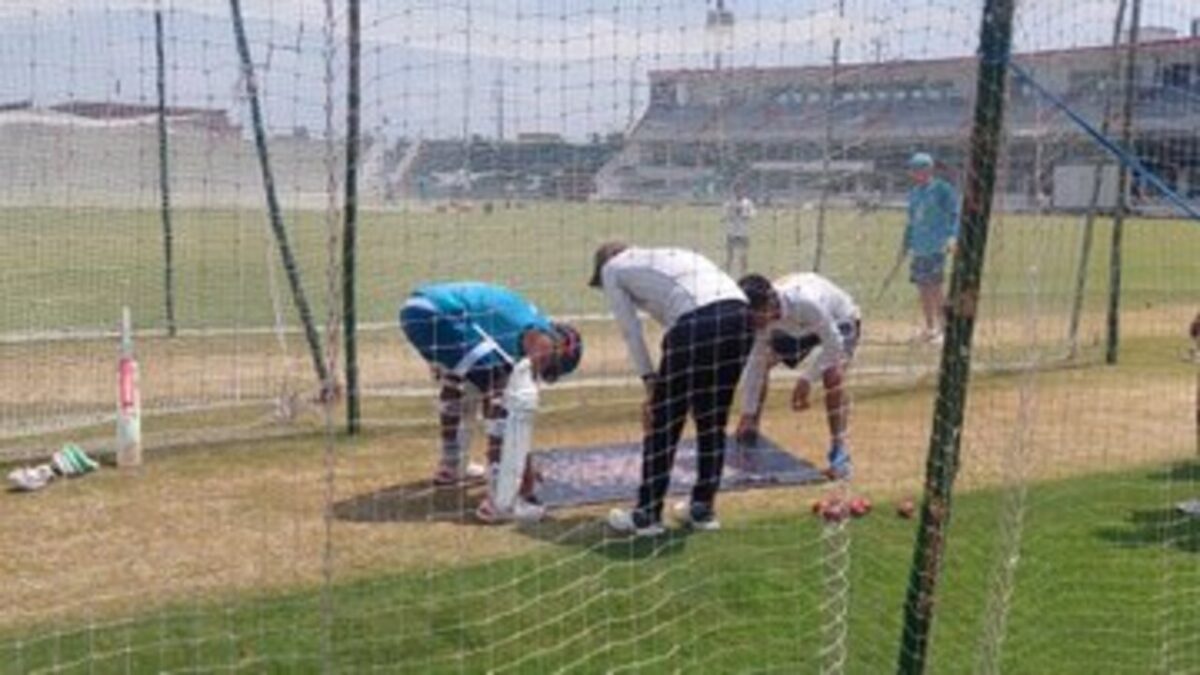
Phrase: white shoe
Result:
[523,511]
[528,512]
[624,522]
[700,518]
[31,478]
[448,474]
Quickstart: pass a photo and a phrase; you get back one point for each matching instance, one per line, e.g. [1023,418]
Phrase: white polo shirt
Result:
[738,214]
[666,283]
[810,304]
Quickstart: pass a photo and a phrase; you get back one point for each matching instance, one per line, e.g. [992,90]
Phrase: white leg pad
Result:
[521,403]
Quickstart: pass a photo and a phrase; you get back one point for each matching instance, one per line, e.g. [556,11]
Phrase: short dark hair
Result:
[604,253]
[758,290]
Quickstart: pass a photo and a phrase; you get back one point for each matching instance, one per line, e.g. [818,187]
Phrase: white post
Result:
[129,403]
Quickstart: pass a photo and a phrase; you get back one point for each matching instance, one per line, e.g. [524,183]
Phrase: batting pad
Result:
[613,472]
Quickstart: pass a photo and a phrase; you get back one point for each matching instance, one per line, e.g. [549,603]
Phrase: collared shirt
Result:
[933,214]
[666,283]
[809,304]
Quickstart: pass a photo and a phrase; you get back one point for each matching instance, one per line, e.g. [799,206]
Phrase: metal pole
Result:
[350,232]
[1114,261]
[1085,247]
[942,464]
[164,178]
[273,211]
[830,110]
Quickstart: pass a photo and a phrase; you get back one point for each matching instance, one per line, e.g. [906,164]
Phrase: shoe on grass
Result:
[697,516]
[625,521]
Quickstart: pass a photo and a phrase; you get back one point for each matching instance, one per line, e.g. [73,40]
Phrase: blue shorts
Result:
[452,345]
[927,269]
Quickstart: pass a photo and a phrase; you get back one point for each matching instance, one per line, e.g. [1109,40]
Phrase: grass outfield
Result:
[1106,583]
[74,268]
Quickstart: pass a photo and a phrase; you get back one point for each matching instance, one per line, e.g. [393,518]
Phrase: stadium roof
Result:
[887,67]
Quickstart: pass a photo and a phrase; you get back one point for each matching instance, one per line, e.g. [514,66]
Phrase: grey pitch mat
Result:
[612,473]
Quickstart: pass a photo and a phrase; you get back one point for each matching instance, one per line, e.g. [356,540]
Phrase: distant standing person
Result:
[709,331]
[929,236]
[739,211]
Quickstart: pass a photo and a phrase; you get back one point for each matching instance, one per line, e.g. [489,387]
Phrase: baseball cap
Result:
[920,160]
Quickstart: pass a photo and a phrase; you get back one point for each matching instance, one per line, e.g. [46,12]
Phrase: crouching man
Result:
[804,313]
[489,345]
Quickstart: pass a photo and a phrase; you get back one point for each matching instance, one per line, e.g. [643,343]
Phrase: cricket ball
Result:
[835,511]
[906,508]
[860,506]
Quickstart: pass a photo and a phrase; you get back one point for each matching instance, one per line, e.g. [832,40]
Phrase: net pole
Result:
[826,158]
[1089,223]
[945,438]
[1112,343]
[164,178]
[281,238]
[350,229]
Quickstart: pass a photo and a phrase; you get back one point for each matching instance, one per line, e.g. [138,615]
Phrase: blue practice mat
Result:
[612,473]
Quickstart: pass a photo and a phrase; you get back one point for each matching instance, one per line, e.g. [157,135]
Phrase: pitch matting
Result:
[612,472]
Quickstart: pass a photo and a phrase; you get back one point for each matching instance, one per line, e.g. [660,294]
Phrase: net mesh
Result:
[504,142]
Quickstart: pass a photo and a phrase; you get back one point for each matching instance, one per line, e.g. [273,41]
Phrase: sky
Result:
[436,68]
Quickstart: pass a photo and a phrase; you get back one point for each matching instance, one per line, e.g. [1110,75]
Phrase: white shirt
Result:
[666,283]
[809,304]
[738,213]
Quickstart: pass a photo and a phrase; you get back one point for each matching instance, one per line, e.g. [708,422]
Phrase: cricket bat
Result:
[887,281]
[129,401]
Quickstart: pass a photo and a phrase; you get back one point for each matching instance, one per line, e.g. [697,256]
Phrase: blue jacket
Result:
[501,313]
[933,213]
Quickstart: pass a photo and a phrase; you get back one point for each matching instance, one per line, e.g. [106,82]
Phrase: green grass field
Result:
[1115,572]
[74,268]
[1107,577]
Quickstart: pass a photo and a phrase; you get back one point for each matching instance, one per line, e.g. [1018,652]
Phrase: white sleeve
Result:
[831,349]
[754,378]
[631,326]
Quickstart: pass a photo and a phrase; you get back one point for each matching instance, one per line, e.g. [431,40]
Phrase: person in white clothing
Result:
[805,313]
[738,212]
[708,336]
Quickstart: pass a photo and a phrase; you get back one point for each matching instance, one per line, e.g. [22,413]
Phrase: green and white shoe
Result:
[71,461]
[81,458]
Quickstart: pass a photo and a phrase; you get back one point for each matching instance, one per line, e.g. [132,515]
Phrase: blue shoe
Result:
[840,466]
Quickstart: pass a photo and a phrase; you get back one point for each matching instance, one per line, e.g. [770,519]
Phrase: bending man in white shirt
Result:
[708,336]
[805,312]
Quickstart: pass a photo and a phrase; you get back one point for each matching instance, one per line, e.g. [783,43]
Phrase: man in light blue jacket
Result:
[930,236]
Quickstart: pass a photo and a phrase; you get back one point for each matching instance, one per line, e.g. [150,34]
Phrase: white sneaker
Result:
[448,474]
[528,512]
[31,478]
[624,522]
[523,511]
[697,517]
[1189,508]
